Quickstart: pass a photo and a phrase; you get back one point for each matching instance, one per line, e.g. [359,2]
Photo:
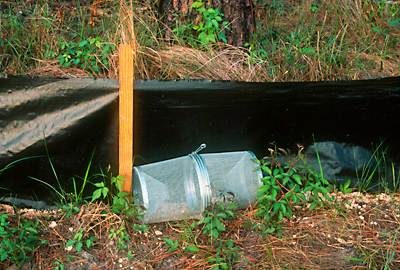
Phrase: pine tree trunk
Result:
[238,13]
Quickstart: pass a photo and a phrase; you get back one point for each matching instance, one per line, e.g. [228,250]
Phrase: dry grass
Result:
[296,41]
[360,231]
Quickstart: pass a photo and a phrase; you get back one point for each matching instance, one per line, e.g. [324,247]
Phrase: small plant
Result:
[209,28]
[225,256]
[18,244]
[172,244]
[121,202]
[214,217]
[59,266]
[378,171]
[285,184]
[91,54]
[78,238]
[140,227]
[120,236]
[344,188]
[314,7]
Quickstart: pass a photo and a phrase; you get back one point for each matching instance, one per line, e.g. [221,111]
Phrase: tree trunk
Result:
[238,13]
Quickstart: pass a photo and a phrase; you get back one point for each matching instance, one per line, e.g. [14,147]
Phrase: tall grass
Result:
[294,40]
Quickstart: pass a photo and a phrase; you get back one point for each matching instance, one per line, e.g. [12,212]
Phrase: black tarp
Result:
[172,118]
[76,116]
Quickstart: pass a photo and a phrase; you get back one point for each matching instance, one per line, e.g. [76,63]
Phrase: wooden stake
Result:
[126,115]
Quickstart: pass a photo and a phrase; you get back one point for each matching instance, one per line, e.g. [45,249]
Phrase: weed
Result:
[208,29]
[120,236]
[211,28]
[377,171]
[141,227]
[78,240]
[225,256]
[214,216]
[285,184]
[59,266]
[91,54]
[121,202]
[172,244]
[18,243]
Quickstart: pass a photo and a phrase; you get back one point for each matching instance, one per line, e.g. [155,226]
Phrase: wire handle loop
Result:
[201,147]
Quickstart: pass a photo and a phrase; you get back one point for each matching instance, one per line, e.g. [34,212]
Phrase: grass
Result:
[346,229]
[294,41]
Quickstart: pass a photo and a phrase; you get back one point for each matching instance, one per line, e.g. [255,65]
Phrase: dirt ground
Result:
[360,233]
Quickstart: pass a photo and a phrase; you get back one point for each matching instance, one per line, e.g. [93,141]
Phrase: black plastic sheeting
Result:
[172,118]
[76,116]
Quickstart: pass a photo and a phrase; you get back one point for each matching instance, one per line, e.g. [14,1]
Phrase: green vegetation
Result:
[293,41]
[86,54]
[225,237]
[286,184]
[20,240]
[298,222]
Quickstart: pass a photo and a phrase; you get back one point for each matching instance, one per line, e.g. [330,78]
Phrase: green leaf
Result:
[297,178]
[218,224]
[283,207]
[276,206]
[214,233]
[312,206]
[308,50]
[99,185]
[123,194]
[70,243]
[207,219]
[232,206]
[3,255]
[256,161]
[222,215]
[274,193]
[263,190]
[267,170]
[79,246]
[211,37]
[192,249]
[89,243]
[31,230]
[168,241]
[105,192]
[270,198]
[196,4]
[285,180]
[96,194]
[83,43]
[215,23]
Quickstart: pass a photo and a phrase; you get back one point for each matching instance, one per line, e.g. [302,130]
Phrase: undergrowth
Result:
[293,40]
[290,184]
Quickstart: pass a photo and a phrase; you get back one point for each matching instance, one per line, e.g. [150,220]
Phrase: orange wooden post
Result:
[126,115]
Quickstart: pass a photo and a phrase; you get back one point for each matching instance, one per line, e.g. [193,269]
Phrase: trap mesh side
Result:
[172,190]
[233,172]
